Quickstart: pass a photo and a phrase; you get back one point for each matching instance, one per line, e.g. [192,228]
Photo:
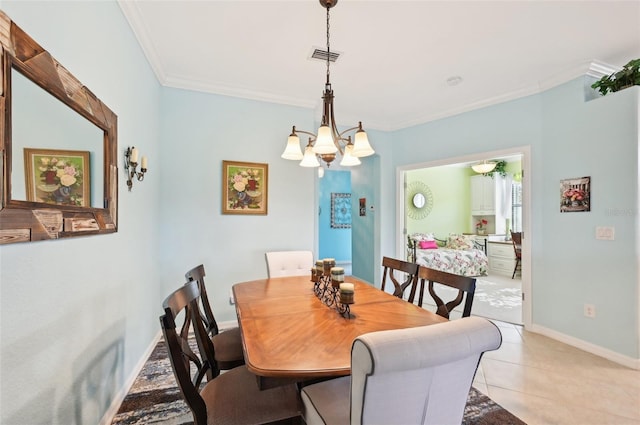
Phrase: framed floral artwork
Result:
[245,187]
[340,210]
[575,194]
[58,177]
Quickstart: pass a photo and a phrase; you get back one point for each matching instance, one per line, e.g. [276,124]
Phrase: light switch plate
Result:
[605,233]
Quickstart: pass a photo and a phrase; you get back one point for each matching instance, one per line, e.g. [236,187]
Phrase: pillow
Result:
[457,241]
[422,237]
[428,244]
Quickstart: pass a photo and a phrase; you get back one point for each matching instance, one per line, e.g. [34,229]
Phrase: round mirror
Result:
[419,200]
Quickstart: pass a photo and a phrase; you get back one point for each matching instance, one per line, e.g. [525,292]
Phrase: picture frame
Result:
[340,210]
[245,188]
[58,177]
[575,194]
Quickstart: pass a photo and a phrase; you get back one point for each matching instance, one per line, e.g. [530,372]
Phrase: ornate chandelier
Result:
[328,141]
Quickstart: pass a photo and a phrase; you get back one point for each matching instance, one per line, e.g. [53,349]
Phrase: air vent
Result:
[322,55]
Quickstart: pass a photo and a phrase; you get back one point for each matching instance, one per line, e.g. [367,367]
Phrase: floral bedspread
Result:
[464,262]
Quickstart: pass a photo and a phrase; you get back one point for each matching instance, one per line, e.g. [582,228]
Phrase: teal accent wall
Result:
[451,212]
[334,243]
[365,230]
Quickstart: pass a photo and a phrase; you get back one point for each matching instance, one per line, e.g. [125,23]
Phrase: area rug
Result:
[155,398]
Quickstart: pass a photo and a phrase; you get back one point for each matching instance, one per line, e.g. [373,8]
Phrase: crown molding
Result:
[240,92]
[131,12]
[136,23]
[594,69]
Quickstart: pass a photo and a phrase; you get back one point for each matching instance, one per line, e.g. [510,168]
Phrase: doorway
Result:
[501,290]
[335,217]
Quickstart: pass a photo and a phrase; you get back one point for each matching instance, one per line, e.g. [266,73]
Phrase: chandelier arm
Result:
[346,131]
[307,132]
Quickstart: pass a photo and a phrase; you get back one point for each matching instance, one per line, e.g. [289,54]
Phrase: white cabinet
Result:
[483,195]
[502,258]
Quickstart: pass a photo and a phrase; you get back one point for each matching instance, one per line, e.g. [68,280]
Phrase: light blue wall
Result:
[198,132]
[598,139]
[70,306]
[78,314]
[568,138]
[333,243]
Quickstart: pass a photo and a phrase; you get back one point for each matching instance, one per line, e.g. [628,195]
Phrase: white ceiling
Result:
[396,55]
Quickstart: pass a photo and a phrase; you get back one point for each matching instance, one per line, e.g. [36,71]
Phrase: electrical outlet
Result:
[232,300]
[589,311]
[605,233]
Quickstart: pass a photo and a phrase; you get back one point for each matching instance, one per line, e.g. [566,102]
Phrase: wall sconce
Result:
[131,163]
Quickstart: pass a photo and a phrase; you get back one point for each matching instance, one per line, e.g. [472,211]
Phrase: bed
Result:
[459,254]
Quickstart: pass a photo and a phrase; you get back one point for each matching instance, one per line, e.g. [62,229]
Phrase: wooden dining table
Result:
[288,334]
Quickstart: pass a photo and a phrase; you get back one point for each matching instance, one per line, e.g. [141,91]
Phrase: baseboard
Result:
[223,326]
[621,359]
[111,412]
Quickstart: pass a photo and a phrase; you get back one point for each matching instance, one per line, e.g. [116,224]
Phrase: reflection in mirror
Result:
[68,186]
[59,128]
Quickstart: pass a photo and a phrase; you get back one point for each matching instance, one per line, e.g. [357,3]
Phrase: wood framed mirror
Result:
[58,144]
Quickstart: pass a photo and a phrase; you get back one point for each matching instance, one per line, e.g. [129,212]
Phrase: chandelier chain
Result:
[328,44]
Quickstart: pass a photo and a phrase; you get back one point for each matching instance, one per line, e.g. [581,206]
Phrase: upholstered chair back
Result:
[418,375]
[289,263]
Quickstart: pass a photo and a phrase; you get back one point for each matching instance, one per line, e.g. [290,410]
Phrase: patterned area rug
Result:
[154,398]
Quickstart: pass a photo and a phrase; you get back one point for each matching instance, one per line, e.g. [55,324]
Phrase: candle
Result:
[347,287]
[346,293]
[143,163]
[134,155]
[328,263]
[337,274]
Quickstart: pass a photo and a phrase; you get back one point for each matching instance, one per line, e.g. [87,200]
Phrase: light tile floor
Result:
[543,381]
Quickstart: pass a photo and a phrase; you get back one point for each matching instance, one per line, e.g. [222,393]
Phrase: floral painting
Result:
[58,177]
[575,194]
[244,187]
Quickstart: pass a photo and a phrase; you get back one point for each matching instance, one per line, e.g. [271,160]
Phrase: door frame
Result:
[527,235]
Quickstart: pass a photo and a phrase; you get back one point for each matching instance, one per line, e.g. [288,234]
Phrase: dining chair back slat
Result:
[228,344]
[402,274]
[464,285]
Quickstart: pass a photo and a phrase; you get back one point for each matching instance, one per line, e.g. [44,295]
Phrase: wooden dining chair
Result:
[232,397]
[463,284]
[228,344]
[432,380]
[516,238]
[402,275]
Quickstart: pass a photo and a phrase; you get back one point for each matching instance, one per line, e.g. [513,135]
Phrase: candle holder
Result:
[131,165]
[326,288]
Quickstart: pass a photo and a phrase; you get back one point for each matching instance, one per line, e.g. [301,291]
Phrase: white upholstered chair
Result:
[289,263]
[408,376]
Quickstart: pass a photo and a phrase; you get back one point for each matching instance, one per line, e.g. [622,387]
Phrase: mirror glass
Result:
[419,200]
[58,144]
[57,140]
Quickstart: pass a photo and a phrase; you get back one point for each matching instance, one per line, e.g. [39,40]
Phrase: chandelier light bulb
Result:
[324,143]
[293,151]
[309,159]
